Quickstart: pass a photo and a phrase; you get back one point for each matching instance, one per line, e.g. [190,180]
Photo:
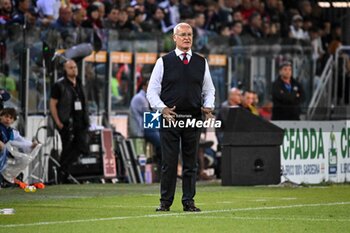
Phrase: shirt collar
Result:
[179,52]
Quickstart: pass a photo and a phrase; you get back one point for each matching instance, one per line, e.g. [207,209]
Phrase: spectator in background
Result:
[317,50]
[48,11]
[287,95]
[296,31]
[171,10]
[4,96]
[336,39]
[5,11]
[266,111]
[305,10]
[186,9]
[224,31]
[94,22]
[199,6]
[254,27]
[77,34]
[200,35]
[337,34]
[212,21]
[271,9]
[7,117]
[33,22]
[199,19]
[237,16]
[225,11]
[139,21]
[326,35]
[248,102]
[93,18]
[130,10]
[234,100]
[307,24]
[255,99]
[64,20]
[219,45]
[101,9]
[259,7]
[271,29]
[157,22]
[78,17]
[138,106]
[78,4]
[121,4]
[22,8]
[124,25]
[137,2]
[247,9]
[283,19]
[112,19]
[236,31]
[8,83]
[150,6]
[191,22]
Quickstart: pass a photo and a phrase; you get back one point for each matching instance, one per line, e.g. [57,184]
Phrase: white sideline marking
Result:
[258,200]
[272,218]
[288,198]
[275,199]
[135,207]
[103,206]
[160,215]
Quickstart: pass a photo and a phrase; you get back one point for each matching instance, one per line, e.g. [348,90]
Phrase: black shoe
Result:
[190,207]
[163,207]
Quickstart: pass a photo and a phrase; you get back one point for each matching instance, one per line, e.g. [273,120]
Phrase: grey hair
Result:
[234,89]
[180,25]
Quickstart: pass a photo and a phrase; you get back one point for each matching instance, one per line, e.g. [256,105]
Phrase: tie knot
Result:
[185,60]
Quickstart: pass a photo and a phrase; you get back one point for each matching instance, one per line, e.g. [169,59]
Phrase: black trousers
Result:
[74,143]
[171,141]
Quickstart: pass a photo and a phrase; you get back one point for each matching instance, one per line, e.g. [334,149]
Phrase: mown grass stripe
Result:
[159,215]
[272,218]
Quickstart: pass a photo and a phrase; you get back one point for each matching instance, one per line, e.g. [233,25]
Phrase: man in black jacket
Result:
[287,95]
[69,112]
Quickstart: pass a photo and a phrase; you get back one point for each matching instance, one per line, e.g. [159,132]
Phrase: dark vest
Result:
[65,106]
[182,84]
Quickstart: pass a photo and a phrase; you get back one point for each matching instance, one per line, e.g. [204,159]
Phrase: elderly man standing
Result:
[180,86]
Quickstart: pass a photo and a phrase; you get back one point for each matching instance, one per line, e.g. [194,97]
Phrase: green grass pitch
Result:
[111,208]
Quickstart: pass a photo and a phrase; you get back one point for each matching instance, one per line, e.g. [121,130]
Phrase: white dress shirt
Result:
[155,84]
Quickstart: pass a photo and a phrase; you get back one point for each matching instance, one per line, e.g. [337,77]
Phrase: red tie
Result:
[185,60]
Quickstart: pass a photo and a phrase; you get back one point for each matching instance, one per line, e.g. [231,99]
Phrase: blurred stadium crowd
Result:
[240,20]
